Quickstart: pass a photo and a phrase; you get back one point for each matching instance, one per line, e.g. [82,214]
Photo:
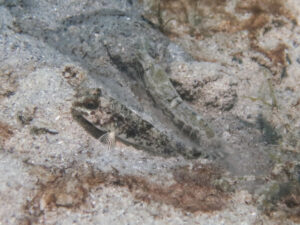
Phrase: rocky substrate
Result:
[203,97]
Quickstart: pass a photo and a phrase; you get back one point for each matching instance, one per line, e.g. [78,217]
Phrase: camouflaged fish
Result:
[101,115]
[135,48]
[155,81]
